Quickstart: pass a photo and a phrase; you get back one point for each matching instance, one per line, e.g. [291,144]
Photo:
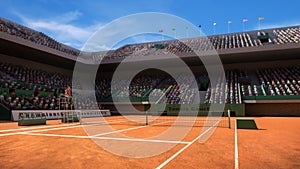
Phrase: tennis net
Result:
[218,119]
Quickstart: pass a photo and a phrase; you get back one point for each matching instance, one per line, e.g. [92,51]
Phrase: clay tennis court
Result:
[66,145]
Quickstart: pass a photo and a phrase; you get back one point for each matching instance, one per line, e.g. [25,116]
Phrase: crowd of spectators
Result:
[217,93]
[217,42]
[280,81]
[26,78]
[103,88]
[251,90]
[182,93]
[86,103]
[181,46]
[38,102]
[289,35]
[28,101]
[140,86]
[226,90]
[33,82]
[25,84]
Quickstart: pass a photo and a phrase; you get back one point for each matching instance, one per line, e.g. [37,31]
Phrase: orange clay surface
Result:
[275,145]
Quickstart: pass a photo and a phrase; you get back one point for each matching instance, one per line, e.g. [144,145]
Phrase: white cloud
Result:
[146,38]
[69,16]
[137,28]
[61,29]
[278,25]
[95,47]
[105,37]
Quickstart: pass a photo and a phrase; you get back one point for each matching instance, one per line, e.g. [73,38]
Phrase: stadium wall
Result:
[253,66]
[173,109]
[273,109]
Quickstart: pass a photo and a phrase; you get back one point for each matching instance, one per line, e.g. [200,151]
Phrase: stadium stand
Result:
[280,81]
[40,38]
[217,42]
[26,87]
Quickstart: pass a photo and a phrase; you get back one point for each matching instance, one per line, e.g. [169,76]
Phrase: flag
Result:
[199,26]
[214,23]
[173,29]
[261,18]
[229,22]
[245,20]
[160,30]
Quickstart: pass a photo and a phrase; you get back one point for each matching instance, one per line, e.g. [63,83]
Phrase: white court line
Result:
[56,125]
[106,122]
[61,128]
[40,127]
[34,131]
[236,152]
[111,138]
[51,129]
[9,134]
[143,140]
[106,138]
[181,150]
[54,135]
[118,131]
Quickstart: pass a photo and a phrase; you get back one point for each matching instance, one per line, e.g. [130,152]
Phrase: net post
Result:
[146,118]
[146,104]
[80,120]
[228,115]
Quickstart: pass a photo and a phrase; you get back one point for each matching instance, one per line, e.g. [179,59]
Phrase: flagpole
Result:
[214,27]
[175,33]
[200,30]
[229,23]
[228,29]
[244,24]
[259,20]
[161,33]
[187,32]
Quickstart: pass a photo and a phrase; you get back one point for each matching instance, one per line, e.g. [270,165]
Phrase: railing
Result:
[277,97]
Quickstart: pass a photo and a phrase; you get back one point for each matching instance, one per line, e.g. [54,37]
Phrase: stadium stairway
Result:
[254,78]
[4,113]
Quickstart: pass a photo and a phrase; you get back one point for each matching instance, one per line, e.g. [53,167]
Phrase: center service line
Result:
[181,150]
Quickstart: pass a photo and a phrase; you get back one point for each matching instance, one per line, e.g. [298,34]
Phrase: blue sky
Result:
[73,22]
